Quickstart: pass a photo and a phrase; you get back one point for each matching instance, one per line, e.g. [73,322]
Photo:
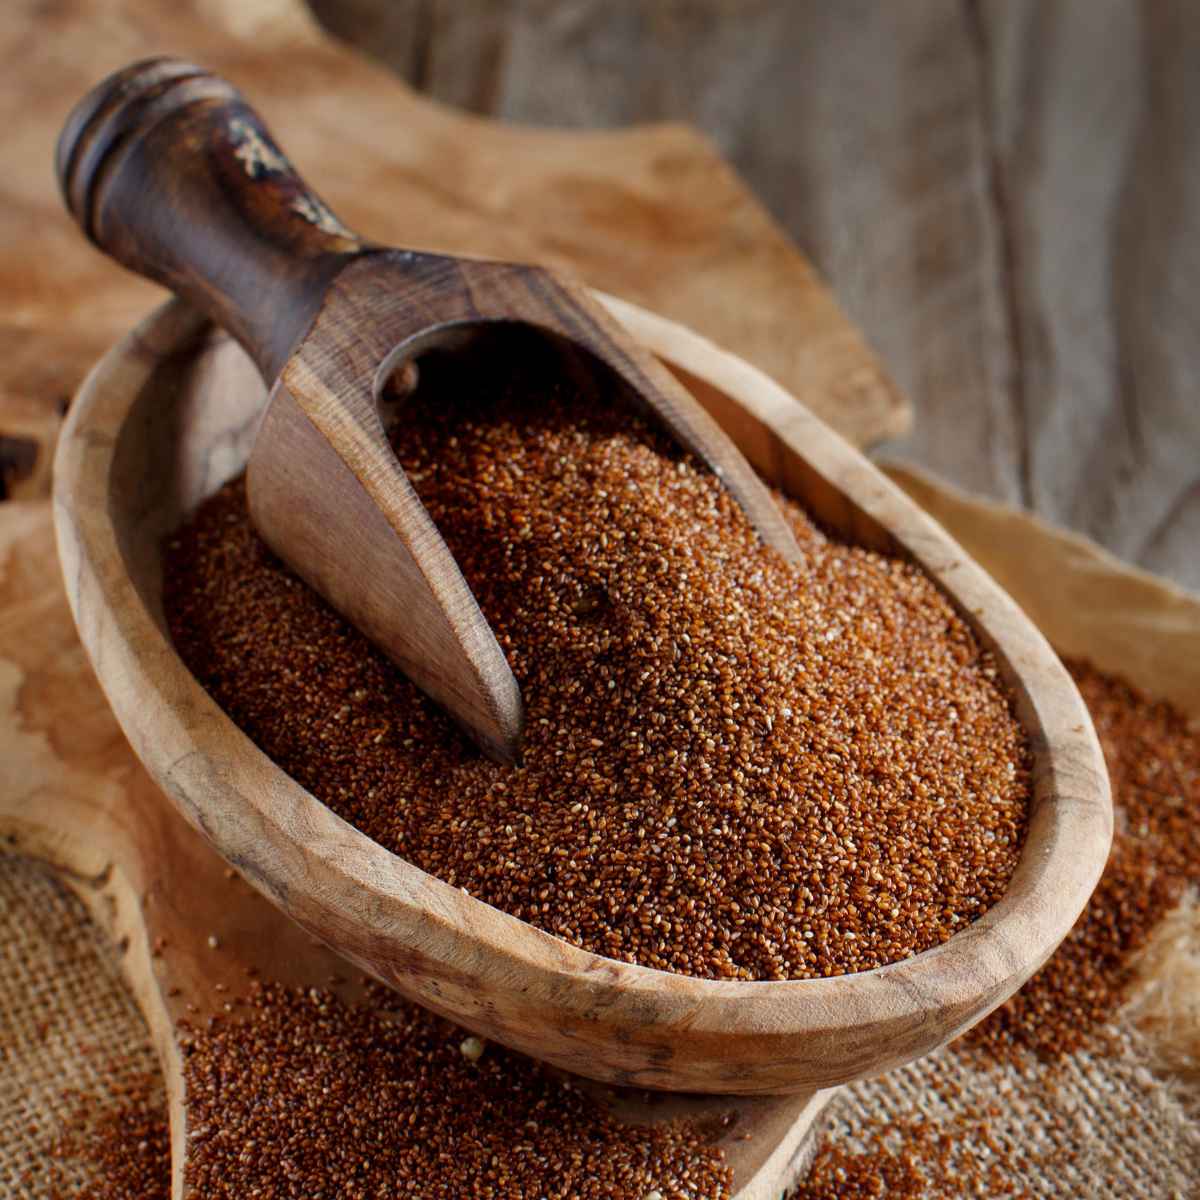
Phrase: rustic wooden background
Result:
[1002,193]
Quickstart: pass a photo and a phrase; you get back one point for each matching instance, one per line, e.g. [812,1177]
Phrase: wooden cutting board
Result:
[652,214]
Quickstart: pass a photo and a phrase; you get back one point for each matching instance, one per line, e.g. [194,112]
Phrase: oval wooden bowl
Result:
[169,415]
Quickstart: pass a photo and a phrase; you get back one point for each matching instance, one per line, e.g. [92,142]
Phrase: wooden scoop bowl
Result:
[169,415]
[192,933]
[168,170]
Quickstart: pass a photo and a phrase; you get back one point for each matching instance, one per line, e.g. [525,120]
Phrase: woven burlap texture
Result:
[1103,1127]
[66,1022]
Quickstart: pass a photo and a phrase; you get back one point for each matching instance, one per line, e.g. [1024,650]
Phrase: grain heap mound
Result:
[733,767]
[298,1094]
[301,1095]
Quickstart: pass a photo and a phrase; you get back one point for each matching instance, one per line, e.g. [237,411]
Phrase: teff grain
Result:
[1153,757]
[301,1094]
[732,767]
[123,1136]
[1066,1011]
[304,1095]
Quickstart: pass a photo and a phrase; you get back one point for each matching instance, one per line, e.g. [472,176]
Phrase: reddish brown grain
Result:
[732,767]
[1153,758]
[298,1096]
[123,1138]
[915,1158]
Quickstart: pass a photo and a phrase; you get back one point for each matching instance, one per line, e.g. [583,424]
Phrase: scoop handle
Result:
[168,170]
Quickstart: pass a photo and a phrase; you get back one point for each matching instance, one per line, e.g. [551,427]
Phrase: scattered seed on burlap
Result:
[1153,762]
[732,767]
[300,1095]
[912,1158]
[123,1138]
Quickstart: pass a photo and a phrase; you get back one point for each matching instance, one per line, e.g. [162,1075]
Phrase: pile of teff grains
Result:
[298,1095]
[304,1096]
[732,767]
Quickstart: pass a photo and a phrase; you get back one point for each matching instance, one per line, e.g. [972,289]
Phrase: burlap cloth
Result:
[1102,1126]
[66,1022]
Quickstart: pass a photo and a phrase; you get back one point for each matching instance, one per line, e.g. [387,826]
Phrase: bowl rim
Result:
[428,939]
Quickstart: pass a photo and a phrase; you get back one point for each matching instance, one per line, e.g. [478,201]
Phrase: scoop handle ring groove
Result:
[168,170]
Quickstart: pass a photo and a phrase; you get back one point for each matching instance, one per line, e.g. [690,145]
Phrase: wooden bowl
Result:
[169,415]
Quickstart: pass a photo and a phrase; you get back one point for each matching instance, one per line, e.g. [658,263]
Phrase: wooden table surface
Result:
[1002,194]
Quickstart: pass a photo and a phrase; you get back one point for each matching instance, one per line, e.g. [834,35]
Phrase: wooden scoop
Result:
[168,170]
[190,931]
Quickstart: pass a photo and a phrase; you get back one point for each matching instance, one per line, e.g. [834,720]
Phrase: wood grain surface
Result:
[653,214]
[1001,192]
